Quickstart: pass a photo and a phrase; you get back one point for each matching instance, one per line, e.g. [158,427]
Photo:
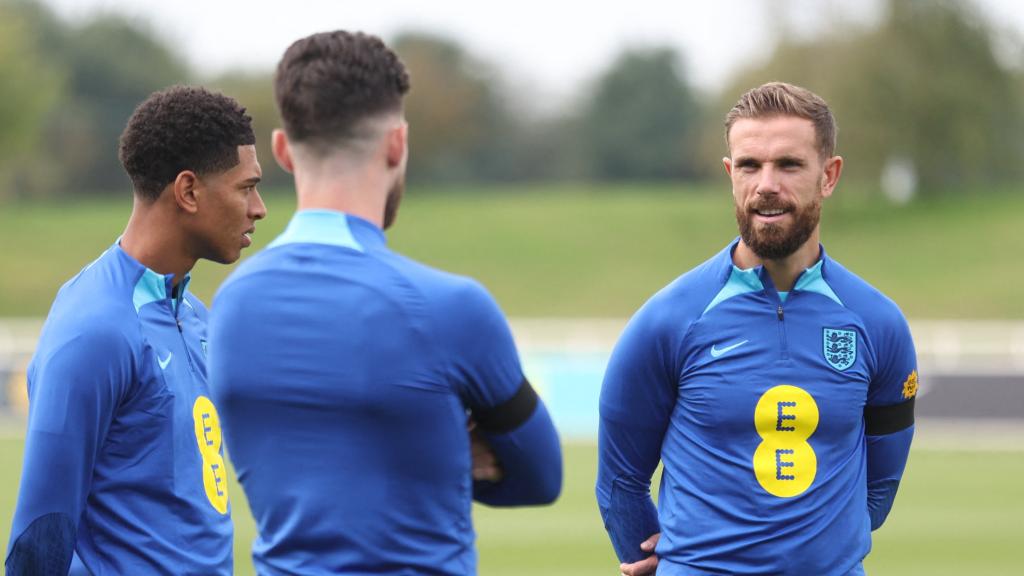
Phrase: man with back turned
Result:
[344,371]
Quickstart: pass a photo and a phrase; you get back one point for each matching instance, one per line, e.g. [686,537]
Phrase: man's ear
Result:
[282,151]
[833,168]
[397,145]
[186,191]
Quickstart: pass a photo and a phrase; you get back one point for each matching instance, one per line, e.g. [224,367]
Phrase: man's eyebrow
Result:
[250,181]
[790,160]
[745,161]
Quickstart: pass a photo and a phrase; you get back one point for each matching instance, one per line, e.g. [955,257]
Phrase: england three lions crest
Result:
[840,347]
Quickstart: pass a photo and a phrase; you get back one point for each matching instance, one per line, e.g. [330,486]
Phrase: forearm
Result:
[74,389]
[628,453]
[50,501]
[531,460]
[886,459]
[44,548]
[629,516]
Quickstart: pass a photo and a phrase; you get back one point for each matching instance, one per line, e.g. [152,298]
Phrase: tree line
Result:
[932,90]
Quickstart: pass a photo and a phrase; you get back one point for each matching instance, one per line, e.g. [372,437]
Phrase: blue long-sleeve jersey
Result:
[344,372]
[783,421]
[123,461]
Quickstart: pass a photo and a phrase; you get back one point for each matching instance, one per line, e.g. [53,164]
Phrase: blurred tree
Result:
[642,119]
[32,85]
[923,89]
[103,70]
[546,148]
[115,63]
[255,91]
[456,119]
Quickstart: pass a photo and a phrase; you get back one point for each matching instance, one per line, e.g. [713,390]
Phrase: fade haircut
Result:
[327,84]
[782,99]
[182,128]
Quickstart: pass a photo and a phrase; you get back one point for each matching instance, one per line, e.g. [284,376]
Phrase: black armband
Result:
[882,420]
[510,414]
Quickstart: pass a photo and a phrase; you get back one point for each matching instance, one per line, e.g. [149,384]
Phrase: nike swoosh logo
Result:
[165,361]
[716,352]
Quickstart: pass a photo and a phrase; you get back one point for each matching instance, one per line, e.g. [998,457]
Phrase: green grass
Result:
[585,251]
[958,513]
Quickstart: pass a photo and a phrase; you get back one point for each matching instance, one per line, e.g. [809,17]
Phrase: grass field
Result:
[579,251]
[958,513]
[572,251]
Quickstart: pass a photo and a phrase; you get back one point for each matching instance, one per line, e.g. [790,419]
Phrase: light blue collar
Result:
[153,286]
[811,280]
[742,281]
[319,227]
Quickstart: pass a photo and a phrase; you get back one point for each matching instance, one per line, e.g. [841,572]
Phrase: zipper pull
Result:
[779,312]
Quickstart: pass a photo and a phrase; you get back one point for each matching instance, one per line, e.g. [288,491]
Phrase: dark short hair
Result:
[327,83]
[782,99]
[182,128]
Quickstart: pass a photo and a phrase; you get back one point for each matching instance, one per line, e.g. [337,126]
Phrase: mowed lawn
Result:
[957,513]
[577,251]
[582,251]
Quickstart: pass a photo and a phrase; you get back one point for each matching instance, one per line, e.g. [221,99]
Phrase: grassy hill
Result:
[586,251]
[576,251]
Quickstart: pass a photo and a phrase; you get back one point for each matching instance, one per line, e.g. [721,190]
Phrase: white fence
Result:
[943,346]
[565,360]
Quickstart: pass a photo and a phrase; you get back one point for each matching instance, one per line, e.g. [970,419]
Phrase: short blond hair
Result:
[782,99]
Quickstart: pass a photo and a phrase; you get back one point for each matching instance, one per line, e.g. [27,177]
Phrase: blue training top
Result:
[123,459]
[783,421]
[343,372]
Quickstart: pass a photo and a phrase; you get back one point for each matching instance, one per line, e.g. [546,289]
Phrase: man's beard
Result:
[776,241]
[393,201]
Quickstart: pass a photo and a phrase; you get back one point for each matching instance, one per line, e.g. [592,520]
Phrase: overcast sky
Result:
[553,44]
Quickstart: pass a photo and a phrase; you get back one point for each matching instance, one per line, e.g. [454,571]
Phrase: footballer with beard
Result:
[344,371]
[776,387]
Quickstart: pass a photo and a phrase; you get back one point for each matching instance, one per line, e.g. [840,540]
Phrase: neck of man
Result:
[783,271]
[155,238]
[336,183]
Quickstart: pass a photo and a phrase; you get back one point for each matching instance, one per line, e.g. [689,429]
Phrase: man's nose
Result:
[768,181]
[258,209]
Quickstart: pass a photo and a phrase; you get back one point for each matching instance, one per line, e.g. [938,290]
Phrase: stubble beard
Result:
[394,200]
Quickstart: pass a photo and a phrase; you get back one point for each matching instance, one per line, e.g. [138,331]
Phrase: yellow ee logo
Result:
[784,463]
[208,436]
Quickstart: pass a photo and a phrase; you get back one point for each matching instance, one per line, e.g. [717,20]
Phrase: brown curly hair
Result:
[327,83]
[182,128]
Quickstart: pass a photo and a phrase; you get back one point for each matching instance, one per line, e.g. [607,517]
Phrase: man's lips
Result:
[769,215]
